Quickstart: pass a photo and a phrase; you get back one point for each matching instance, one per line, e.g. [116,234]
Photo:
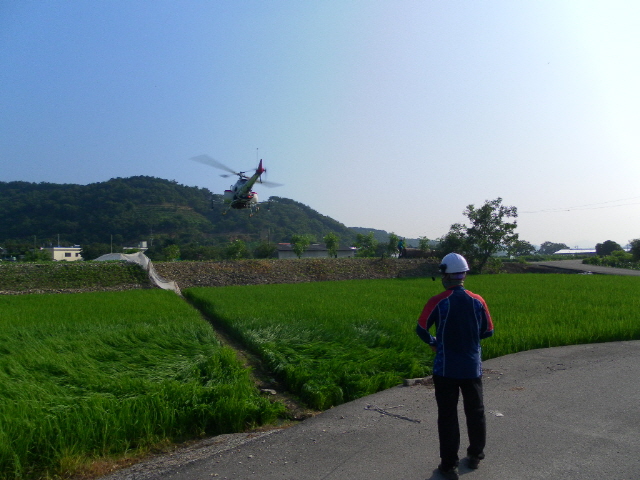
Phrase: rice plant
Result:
[97,374]
[331,342]
[543,310]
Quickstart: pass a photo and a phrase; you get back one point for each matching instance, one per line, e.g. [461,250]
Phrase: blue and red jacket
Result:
[462,319]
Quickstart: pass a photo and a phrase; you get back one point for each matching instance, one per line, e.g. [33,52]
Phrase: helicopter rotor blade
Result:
[271,184]
[212,162]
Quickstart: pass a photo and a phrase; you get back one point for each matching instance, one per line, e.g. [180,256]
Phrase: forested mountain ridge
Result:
[382,236]
[135,209]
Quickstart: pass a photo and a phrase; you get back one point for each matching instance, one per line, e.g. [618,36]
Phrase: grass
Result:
[331,342]
[94,375]
[548,310]
[52,276]
[90,375]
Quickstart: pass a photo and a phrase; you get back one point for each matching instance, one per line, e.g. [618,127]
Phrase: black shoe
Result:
[473,461]
[449,473]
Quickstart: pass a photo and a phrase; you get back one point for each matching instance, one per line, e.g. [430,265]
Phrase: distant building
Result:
[576,251]
[68,254]
[315,250]
[142,247]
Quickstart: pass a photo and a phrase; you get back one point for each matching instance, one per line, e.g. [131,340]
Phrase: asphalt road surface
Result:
[570,413]
[577,265]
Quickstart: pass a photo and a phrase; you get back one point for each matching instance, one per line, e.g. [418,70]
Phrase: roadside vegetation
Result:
[618,259]
[610,254]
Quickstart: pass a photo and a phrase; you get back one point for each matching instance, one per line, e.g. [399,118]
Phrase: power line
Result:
[589,206]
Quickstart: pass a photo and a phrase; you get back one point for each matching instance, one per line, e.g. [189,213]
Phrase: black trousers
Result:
[447,394]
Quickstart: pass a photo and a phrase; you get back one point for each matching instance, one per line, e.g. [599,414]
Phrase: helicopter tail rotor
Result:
[260,170]
[212,162]
[266,183]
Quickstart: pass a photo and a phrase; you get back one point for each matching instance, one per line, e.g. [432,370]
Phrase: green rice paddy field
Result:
[331,342]
[93,375]
[100,374]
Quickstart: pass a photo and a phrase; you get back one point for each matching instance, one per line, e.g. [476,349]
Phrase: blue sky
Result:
[393,115]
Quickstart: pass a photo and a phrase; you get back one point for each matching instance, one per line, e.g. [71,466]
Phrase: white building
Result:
[142,247]
[576,251]
[68,254]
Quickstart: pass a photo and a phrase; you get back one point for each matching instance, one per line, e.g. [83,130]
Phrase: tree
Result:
[299,243]
[424,244]
[549,248]
[392,244]
[37,256]
[236,249]
[635,249]
[265,250]
[488,233]
[171,253]
[454,241]
[331,240]
[95,250]
[192,251]
[521,248]
[366,244]
[607,248]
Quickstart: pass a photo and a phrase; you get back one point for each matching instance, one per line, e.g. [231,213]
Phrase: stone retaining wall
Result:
[253,272]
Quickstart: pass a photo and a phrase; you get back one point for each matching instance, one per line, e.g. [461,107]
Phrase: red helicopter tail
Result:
[260,170]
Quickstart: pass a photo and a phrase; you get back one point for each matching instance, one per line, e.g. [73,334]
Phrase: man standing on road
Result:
[461,320]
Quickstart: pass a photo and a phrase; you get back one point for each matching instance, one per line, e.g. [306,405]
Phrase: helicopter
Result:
[239,196]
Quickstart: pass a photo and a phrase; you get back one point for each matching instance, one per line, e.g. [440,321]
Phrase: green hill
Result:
[126,211]
[382,236]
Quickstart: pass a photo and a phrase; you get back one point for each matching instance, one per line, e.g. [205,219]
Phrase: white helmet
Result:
[453,263]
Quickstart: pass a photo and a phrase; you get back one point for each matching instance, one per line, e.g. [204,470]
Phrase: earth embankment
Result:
[71,277]
[254,272]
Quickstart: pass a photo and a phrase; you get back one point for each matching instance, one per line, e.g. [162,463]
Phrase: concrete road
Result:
[570,413]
